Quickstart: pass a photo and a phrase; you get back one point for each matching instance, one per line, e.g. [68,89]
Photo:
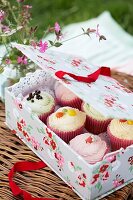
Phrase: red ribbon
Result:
[20,167]
[105,71]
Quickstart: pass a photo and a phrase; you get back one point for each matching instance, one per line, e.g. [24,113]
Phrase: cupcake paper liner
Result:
[75,103]
[43,117]
[96,126]
[66,136]
[117,143]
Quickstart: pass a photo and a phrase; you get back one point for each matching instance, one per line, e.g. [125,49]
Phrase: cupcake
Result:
[41,103]
[65,97]
[91,147]
[120,133]
[67,122]
[95,122]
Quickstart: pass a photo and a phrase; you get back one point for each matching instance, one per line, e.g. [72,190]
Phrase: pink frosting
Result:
[62,93]
[91,147]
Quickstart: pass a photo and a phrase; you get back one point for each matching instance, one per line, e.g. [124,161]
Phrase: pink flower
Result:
[97,31]
[58,32]
[103,168]
[53,144]
[22,60]
[19,126]
[57,27]
[27,7]
[105,176]
[20,1]
[23,122]
[25,60]
[34,44]
[60,159]
[5,28]
[2,15]
[118,181]
[8,61]
[35,143]
[43,46]
[111,158]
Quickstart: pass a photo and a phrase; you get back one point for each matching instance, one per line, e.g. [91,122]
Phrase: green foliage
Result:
[57,44]
[66,11]
[1,69]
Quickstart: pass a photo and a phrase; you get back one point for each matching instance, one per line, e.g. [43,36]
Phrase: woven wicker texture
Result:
[44,182]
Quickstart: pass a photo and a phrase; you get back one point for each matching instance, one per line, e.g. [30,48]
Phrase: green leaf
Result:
[98,186]
[1,69]
[83,30]
[51,42]
[78,168]
[96,171]
[57,44]
[118,155]
[131,169]
[42,130]
[30,126]
[38,130]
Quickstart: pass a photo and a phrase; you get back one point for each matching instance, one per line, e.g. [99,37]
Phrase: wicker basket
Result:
[44,182]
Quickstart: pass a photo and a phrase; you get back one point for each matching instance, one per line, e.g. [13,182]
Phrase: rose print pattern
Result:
[50,140]
[25,130]
[117,85]
[69,182]
[81,177]
[130,161]
[118,181]
[18,104]
[111,102]
[76,62]
[35,144]
[111,158]
[100,175]
[60,160]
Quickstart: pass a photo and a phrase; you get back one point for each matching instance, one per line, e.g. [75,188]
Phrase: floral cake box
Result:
[106,95]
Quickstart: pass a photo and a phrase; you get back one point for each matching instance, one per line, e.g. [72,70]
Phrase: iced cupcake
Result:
[41,103]
[120,133]
[91,147]
[95,122]
[67,122]
[65,97]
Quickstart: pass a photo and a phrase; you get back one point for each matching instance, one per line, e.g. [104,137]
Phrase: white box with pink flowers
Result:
[106,95]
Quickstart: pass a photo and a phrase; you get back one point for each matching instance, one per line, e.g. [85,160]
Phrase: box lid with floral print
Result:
[106,95]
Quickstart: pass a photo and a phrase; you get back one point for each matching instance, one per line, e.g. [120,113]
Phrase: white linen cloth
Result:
[116,52]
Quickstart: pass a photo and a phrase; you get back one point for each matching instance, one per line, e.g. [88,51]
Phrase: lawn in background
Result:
[46,12]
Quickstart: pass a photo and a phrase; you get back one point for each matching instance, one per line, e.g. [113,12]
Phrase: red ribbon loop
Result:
[105,71]
[20,167]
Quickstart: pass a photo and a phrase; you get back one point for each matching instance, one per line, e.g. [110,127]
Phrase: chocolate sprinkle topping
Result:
[35,94]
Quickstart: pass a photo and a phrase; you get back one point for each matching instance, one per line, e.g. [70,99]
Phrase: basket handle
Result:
[20,167]
[105,71]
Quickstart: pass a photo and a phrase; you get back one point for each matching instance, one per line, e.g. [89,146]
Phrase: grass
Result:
[46,12]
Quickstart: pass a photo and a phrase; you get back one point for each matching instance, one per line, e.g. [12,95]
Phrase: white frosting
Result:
[43,105]
[67,122]
[122,130]
[90,111]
